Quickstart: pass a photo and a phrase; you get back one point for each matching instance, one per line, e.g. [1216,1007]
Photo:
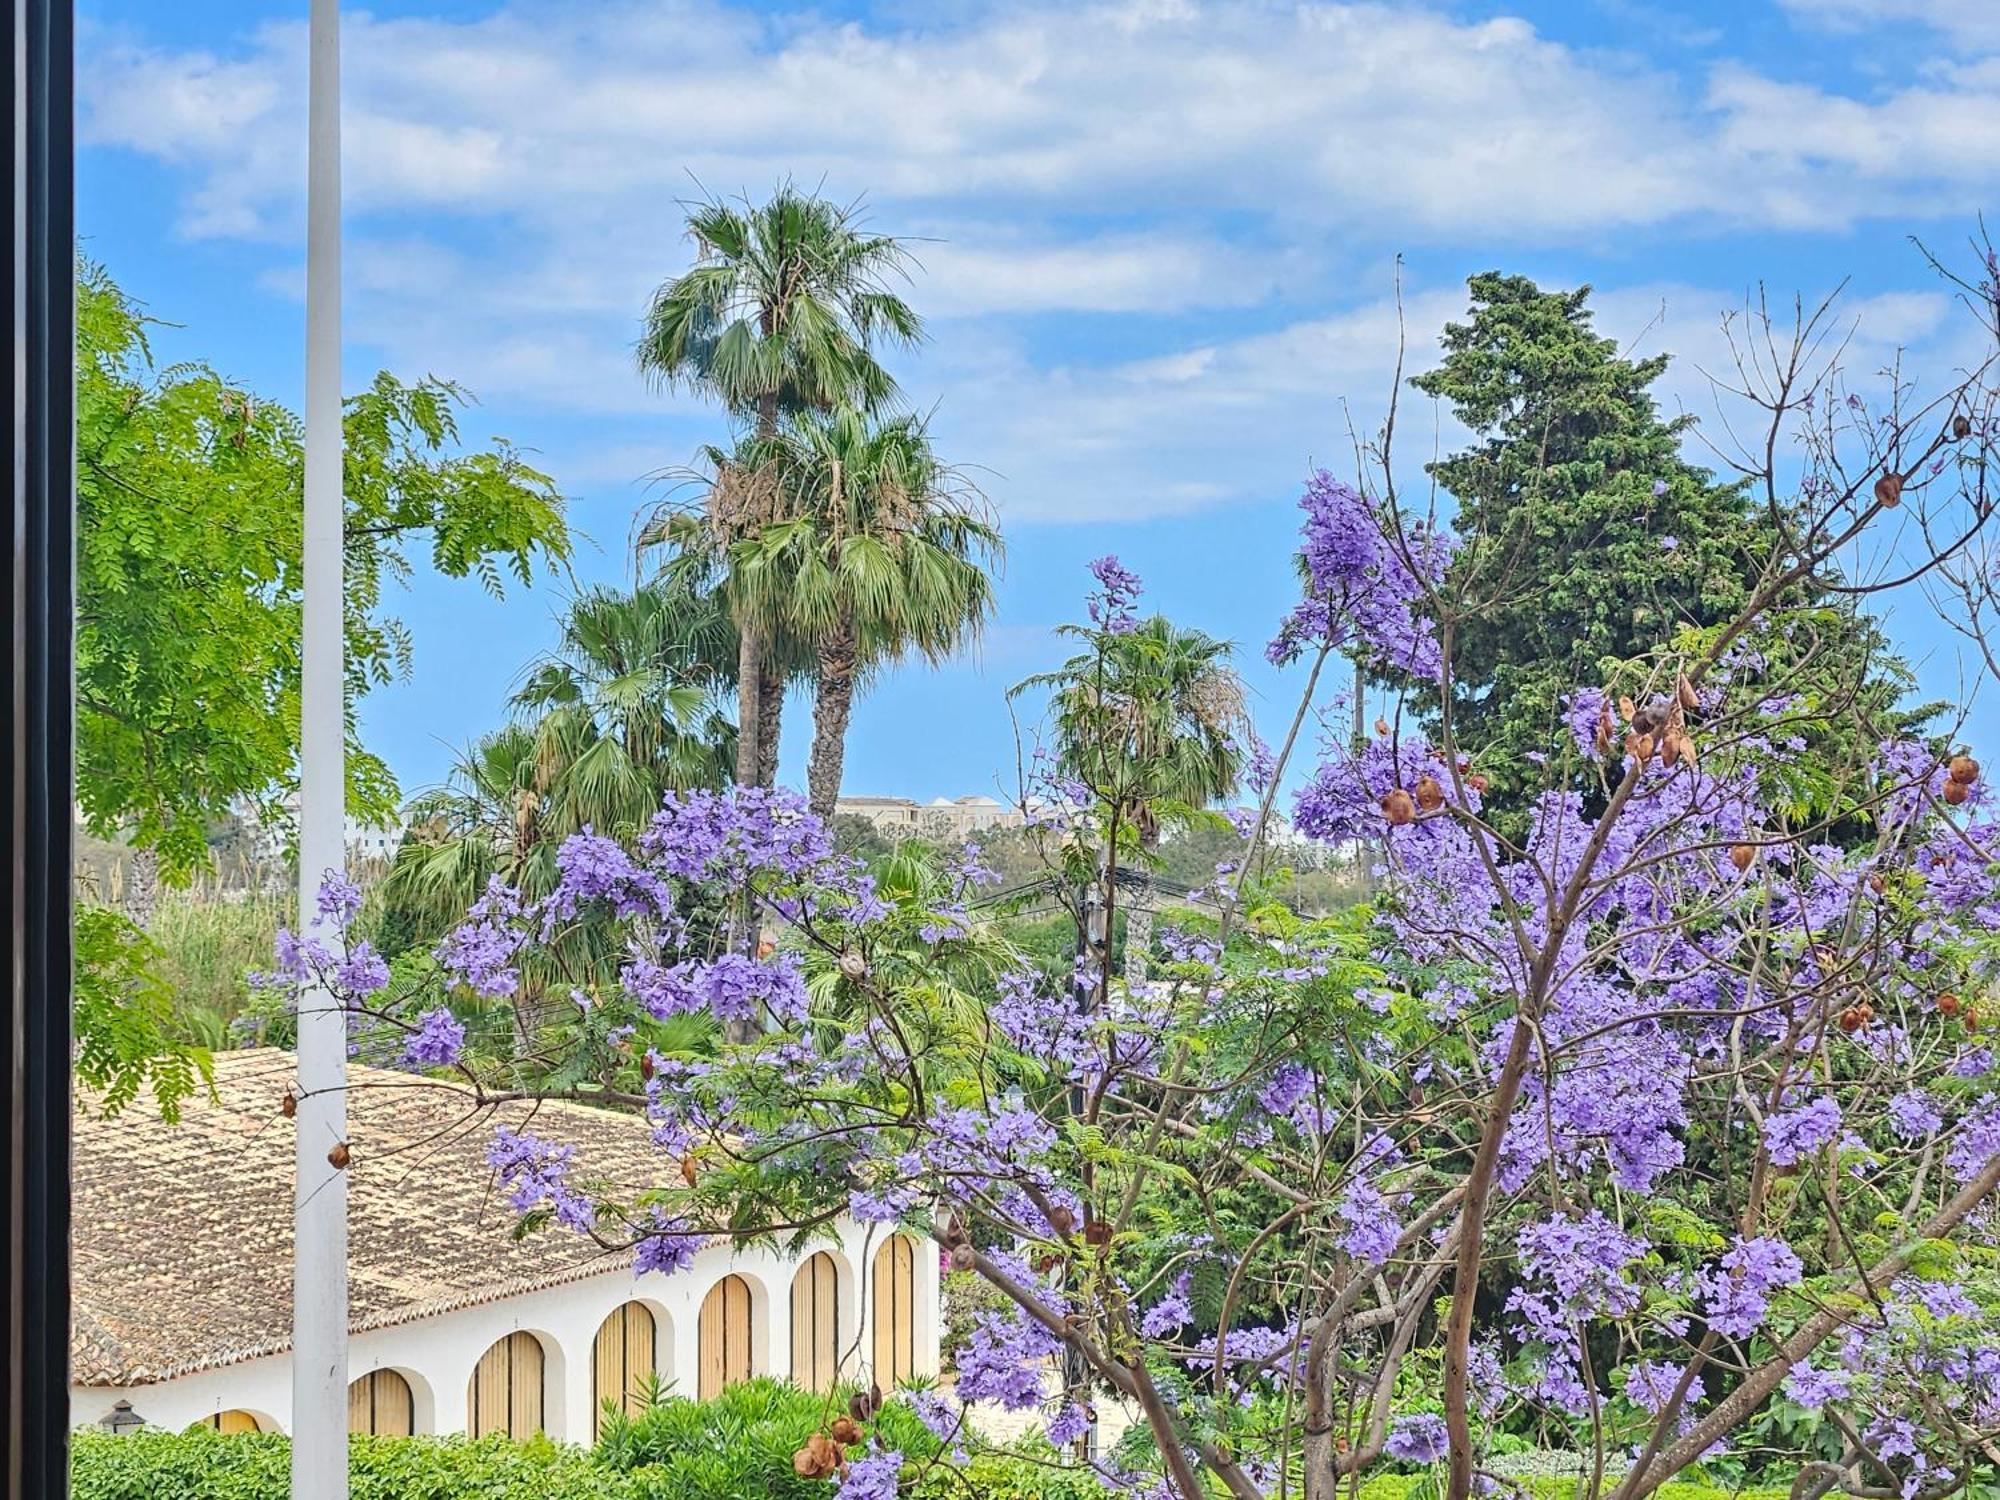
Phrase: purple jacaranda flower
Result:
[438,1041]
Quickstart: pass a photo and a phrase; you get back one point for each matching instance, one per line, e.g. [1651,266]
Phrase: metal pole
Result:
[319,1282]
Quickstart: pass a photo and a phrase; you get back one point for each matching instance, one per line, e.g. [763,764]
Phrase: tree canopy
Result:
[189,560]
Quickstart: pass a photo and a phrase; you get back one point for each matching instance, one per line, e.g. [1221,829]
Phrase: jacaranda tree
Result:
[1663,1128]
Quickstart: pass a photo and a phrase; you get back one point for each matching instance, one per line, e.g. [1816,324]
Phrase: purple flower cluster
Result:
[1421,1439]
[1737,1299]
[438,1041]
[535,1173]
[1367,577]
[1813,1387]
[873,1477]
[1111,603]
[1795,1134]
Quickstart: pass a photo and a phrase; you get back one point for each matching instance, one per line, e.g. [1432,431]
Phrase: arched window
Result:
[505,1393]
[621,1357]
[895,1311]
[722,1339]
[232,1421]
[816,1323]
[381,1402]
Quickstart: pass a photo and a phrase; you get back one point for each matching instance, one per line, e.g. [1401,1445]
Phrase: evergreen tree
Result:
[1590,540]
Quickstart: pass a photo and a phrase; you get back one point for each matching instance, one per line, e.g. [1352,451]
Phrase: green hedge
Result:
[204,1465]
[736,1447]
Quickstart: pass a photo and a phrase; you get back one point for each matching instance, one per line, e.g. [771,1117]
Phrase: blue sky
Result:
[1157,243]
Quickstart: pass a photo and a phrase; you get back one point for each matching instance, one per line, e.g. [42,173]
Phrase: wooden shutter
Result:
[505,1393]
[722,1338]
[621,1356]
[816,1324]
[381,1402]
[895,1311]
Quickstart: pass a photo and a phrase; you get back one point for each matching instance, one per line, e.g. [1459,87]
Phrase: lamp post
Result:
[319,1267]
[121,1419]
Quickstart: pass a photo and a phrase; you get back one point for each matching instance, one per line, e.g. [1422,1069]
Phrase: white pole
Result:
[319,1279]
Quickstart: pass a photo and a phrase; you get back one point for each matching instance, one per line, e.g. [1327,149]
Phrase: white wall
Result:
[437,1355]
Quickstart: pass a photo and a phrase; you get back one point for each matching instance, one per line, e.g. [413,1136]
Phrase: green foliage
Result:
[725,1449]
[206,946]
[780,308]
[203,1465]
[189,559]
[1572,563]
[124,1019]
[1153,721]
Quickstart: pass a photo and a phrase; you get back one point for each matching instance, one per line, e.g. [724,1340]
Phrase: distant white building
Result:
[183,1265]
[367,843]
[940,818]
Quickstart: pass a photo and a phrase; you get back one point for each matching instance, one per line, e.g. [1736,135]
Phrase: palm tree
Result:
[778,314]
[1154,720]
[624,708]
[885,552]
[490,817]
[627,705]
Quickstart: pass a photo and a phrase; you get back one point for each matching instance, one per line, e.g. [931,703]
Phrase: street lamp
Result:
[121,1420]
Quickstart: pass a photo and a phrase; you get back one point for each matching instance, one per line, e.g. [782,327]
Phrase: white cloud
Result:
[1342,116]
[514,188]
[1974,21]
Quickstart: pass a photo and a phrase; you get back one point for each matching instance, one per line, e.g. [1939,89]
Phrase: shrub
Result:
[204,1465]
[738,1444]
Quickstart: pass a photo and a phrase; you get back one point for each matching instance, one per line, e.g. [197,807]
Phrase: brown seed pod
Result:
[1877,884]
[689,1167]
[1889,490]
[1670,751]
[1866,1011]
[1477,782]
[963,1258]
[874,1398]
[1430,795]
[857,1406]
[289,1105]
[339,1156]
[804,1464]
[1684,690]
[1964,769]
[1743,856]
[853,965]
[1381,728]
[1639,747]
[1061,1219]
[1969,1019]
[1399,807]
[765,947]
[844,1430]
[1096,1232]
[1961,426]
[646,1065]
[1955,792]
[1850,1019]
[1627,709]
[1947,1004]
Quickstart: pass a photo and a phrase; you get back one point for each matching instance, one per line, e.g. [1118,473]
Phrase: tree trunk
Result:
[142,886]
[833,701]
[749,701]
[770,711]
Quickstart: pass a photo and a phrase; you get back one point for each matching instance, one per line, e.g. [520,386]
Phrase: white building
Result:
[940,818]
[183,1255]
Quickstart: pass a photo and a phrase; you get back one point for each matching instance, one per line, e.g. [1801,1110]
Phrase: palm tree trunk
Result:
[832,703]
[770,711]
[142,886]
[749,701]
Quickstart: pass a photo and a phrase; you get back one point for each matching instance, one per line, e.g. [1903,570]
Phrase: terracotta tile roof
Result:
[182,1238]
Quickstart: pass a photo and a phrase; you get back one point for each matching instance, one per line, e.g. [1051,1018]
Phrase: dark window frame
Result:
[36,812]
